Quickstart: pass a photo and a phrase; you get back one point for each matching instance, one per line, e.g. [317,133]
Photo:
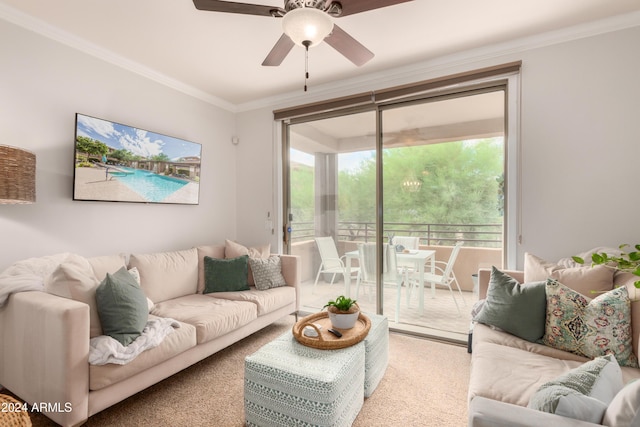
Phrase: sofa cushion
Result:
[212,317]
[624,409]
[510,374]
[74,278]
[515,308]
[122,307]
[582,393]
[267,273]
[266,301]
[212,251]
[484,333]
[167,275]
[590,327]
[106,264]
[225,275]
[585,280]
[181,339]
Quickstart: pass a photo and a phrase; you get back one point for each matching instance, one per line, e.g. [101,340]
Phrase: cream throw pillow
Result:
[234,250]
[624,409]
[586,280]
[75,279]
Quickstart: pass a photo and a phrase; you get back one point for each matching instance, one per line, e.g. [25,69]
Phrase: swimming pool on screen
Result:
[151,186]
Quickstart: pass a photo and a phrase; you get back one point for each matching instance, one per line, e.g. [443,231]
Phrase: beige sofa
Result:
[45,337]
[506,371]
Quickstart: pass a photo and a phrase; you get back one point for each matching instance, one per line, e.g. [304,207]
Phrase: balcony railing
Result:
[479,235]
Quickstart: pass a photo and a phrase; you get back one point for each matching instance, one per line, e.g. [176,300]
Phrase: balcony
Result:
[440,318]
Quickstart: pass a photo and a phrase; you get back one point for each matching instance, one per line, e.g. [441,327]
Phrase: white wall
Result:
[580,145]
[579,149]
[258,153]
[42,85]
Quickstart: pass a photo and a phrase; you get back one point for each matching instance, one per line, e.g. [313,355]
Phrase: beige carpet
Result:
[425,385]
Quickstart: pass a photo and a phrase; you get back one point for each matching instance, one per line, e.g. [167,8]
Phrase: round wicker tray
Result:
[13,415]
[325,339]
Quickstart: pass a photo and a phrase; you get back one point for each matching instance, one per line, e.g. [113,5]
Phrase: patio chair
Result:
[390,274]
[331,263]
[444,275]
[410,243]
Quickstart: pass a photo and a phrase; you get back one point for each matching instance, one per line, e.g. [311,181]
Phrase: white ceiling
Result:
[218,55]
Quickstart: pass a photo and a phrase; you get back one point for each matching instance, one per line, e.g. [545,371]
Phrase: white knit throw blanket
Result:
[28,275]
[103,349]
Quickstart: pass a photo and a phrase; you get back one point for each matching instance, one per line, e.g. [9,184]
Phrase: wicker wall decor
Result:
[17,175]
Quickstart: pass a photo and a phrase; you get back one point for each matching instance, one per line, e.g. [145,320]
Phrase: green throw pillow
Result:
[122,307]
[582,393]
[514,308]
[226,275]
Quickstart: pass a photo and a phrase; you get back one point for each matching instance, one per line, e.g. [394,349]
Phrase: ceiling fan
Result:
[307,23]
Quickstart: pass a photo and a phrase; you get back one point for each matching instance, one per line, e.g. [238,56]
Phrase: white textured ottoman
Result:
[289,384]
[376,358]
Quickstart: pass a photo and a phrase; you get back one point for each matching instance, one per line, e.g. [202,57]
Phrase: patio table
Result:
[419,257]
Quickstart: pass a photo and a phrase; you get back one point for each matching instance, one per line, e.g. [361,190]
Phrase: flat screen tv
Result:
[119,163]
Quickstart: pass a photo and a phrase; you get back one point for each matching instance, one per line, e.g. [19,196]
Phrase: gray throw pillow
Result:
[514,308]
[122,307]
[267,273]
[583,393]
[226,275]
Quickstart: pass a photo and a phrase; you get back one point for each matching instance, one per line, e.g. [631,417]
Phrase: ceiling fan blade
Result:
[348,46]
[233,7]
[281,49]
[349,7]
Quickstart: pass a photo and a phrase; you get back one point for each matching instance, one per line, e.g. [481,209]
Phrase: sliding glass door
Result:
[443,169]
[332,195]
[412,179]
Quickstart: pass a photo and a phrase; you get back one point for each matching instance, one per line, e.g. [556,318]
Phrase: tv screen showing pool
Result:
[119,163]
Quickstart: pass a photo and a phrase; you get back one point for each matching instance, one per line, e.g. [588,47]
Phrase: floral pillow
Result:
[590,328]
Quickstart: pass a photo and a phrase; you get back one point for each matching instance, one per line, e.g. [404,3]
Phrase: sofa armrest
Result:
[484,274]
[292,273]
[44,357]
[485,412]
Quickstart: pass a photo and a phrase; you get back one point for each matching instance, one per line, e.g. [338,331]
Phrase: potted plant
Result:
[343,312]
[627,262]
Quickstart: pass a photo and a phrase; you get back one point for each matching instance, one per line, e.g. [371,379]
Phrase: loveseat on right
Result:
[511,374]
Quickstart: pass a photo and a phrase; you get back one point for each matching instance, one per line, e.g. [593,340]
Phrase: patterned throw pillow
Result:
[267,273]
[590,328]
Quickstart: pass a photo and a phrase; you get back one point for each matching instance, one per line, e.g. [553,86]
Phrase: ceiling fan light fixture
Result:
[307,26]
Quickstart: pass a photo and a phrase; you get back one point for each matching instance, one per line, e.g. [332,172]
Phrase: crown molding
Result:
[369,81]
[447,63]
[38,26]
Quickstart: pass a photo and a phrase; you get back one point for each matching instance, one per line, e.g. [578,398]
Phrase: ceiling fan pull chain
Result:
[306,63]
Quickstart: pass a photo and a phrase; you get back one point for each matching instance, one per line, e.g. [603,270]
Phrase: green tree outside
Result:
[460,183]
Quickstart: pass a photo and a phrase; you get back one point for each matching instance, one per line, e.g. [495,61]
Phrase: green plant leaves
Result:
[342,303]
[627,262]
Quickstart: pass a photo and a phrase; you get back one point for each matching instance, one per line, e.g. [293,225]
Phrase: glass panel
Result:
[443,174]
[442,183]
[332,194]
